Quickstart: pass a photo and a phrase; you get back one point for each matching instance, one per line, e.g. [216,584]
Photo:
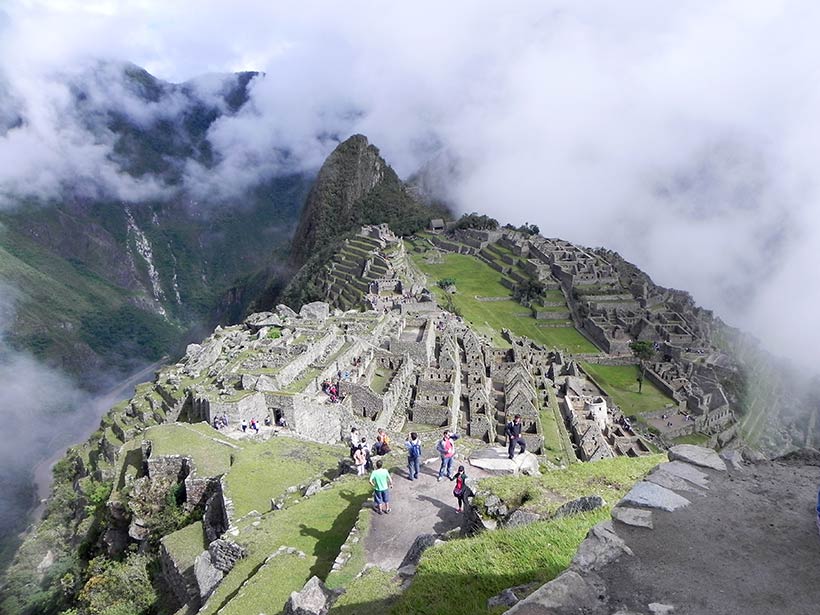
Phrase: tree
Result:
[477,221]
[643,351]
[528,291]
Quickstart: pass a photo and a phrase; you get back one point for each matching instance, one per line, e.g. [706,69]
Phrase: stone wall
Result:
[249,406]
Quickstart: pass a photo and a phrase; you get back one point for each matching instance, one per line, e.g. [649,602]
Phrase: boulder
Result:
[582,504]
[263,319]
[570,593]
[697,455]
[419,546]
[505,598]
[284,311]
[313,488]
[318,310]
[650,495]
[521,517]
[207,575]
[313,599]
[495,461]
[601,547]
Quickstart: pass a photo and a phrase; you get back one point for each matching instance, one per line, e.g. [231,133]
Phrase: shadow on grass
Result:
[330,541]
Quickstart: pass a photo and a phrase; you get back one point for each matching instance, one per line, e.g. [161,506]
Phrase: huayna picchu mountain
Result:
[227,485]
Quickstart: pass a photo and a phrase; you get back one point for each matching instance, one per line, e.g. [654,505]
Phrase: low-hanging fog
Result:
[682,135]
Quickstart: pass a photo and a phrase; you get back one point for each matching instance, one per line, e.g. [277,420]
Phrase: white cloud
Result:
[684,136]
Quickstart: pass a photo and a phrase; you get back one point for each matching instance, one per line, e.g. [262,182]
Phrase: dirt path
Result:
[423,506]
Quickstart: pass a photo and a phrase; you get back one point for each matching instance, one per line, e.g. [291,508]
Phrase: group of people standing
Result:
[380,477]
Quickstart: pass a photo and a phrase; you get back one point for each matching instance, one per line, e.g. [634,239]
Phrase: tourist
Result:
[355,440]
[447,450]
[458,490]
[413,446]
[366,449]
[382,445]
[382,483]
[244,425]
[513,433]
[268,421]
[360,459]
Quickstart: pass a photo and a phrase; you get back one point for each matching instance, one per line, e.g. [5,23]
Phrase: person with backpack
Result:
[447,450]
[459,489]
[513,433]
[382,442]
[413,446]
[382,483]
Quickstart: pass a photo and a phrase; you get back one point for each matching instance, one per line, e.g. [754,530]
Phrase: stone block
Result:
[568,593]
[601,547]
[313,599]
[687,472]
[318,310]
[207,575]
[636,517]
[521,517]
[650,495]
[583,504]
[697,455]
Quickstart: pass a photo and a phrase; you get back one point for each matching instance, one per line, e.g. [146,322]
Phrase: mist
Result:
[682,137]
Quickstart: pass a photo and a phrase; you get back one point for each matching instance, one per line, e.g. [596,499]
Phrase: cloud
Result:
[682,136]
[41,409]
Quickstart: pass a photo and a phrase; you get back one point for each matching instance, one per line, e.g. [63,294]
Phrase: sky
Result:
[682,135]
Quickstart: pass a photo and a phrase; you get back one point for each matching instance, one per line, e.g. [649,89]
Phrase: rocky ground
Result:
[722,539]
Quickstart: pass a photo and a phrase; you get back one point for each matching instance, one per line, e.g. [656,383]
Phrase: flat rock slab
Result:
[636,517]
[661,477]
[568,593]
[686,472]
[697,455]
[650,495]
[496,461]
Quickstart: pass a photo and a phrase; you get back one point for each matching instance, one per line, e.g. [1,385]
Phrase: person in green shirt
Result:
[382,483]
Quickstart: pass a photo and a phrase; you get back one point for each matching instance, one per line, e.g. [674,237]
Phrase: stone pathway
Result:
[699,536]
[422,506]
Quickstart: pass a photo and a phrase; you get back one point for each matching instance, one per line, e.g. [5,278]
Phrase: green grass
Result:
[459,576]
[197,442]
[373,592]
[264,470]
[557,447]
[609,478]
[346,574]
[317,526]
[699,439]
[186,544]
[475,278]
[621,384]
[380,380]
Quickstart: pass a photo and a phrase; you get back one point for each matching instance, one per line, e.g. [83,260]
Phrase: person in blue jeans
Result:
[447,451]
[413,446]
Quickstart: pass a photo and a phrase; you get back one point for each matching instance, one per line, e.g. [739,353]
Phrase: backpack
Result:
[415,451]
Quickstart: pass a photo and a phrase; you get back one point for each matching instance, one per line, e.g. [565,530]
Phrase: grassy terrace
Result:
[459,576]
[621,383]
[200,442]
[475,278]
[380,380]
[186,544]
[318,526]
[264,470]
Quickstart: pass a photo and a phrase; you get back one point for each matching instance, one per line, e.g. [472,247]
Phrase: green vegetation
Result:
[609,478]
[381,379]
[459,576]
[274,333]
[475,278]
[210,453]
[375,591]
[476,221]
[264,470]
[698,439]
[186,544]
[643,351]
[118,588]
[317,526]
[621,383]
[557,445]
